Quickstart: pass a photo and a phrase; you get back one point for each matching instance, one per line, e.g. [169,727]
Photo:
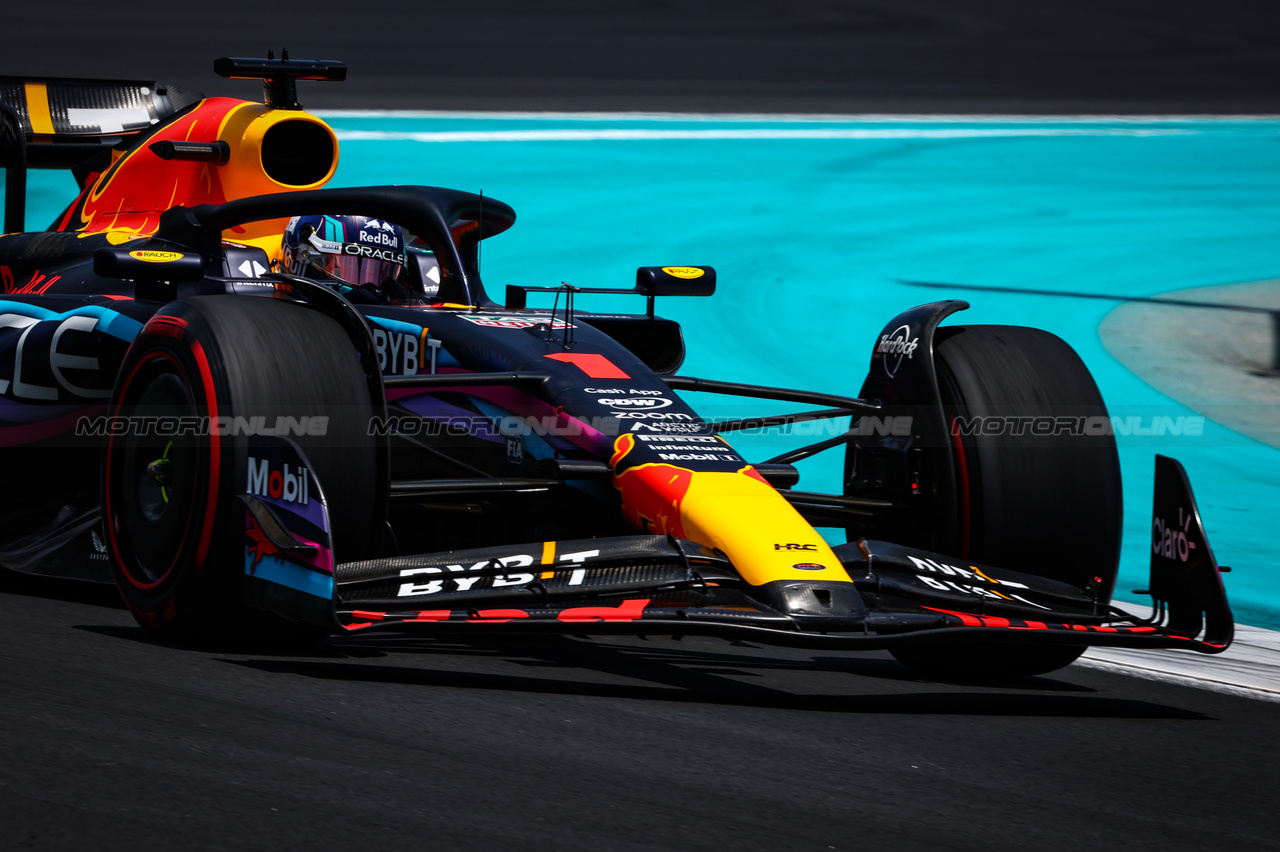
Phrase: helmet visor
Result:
[358,270]
[356,263]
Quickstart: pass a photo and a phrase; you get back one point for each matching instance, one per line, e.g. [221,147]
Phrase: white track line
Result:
[1250,667]
[644,134]
[873,118]
[1089,661]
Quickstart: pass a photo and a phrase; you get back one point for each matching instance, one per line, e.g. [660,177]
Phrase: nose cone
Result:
[762,534]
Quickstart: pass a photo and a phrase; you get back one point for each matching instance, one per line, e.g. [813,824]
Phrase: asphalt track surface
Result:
[110,741]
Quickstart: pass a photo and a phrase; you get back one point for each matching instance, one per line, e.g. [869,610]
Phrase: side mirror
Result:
[676,281]
[154,271]
[651,281]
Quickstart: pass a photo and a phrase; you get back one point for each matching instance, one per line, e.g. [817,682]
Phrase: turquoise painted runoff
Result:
[814,226]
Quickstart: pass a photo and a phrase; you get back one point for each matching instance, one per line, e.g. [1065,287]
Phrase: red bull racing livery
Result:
[248,449]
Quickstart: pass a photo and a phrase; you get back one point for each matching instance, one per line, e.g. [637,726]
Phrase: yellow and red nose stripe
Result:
[754,525]
[736,512]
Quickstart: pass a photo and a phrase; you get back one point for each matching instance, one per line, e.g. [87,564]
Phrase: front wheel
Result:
[1037,480]
[175,530]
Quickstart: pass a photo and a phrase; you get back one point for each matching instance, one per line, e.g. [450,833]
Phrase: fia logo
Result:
[515,449]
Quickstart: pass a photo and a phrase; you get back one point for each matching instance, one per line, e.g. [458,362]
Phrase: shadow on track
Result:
[700,677]
[743,675]
[61,589]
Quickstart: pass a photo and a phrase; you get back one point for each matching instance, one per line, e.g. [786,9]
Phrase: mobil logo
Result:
[286,482]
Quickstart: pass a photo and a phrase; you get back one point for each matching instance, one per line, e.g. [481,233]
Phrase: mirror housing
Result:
[148,264]
[676,281]
[155,272]
[651,282]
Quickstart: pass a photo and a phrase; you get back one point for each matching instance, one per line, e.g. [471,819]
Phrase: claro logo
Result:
[287,483]
[1171,541]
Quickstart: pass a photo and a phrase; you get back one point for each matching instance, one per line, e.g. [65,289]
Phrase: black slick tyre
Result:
[175,528]
[1038,480]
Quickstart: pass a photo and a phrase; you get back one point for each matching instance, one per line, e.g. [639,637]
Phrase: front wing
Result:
[663,585]
[651,585]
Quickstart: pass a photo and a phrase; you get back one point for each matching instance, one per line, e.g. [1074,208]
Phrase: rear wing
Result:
[59,123]
[56,109]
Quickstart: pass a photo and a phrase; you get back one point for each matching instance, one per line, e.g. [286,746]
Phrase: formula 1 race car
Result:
[250,452]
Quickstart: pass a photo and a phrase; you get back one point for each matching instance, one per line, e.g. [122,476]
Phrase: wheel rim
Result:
[154,471]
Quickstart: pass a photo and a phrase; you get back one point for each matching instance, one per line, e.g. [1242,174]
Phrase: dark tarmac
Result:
[109,741]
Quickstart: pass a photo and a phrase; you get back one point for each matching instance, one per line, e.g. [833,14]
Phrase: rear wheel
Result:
[175,528]
[1037,480]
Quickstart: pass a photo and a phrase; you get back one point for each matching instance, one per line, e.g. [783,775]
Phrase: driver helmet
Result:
[350,250]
